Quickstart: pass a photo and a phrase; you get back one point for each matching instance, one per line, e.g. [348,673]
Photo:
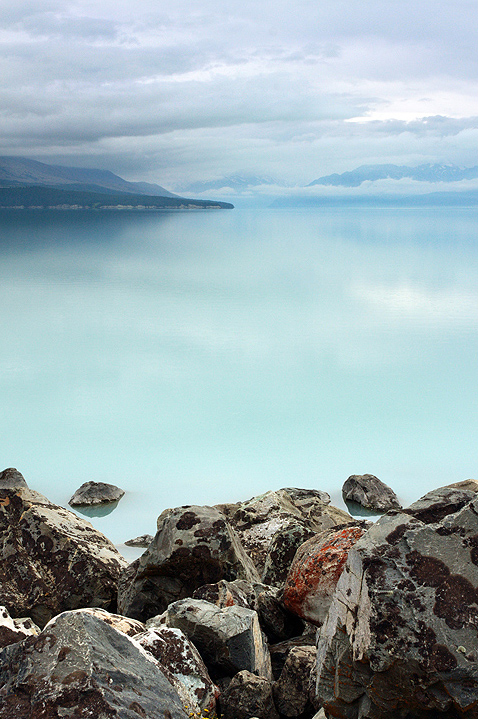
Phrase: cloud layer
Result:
[184,93]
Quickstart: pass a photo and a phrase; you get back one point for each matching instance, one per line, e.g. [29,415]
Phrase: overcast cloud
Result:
[188,91]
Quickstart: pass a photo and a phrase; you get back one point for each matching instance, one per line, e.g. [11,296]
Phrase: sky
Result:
[182,92]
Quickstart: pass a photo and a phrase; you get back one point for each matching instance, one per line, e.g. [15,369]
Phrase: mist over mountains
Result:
[421,173]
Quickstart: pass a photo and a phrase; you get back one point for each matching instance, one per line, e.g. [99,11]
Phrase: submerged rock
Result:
[51,560]
[370,492]
[192,547]
[80,666]
[94,493]
[401,634]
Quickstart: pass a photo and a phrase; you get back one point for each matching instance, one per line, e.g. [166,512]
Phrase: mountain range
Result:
[26,183]
[421,173]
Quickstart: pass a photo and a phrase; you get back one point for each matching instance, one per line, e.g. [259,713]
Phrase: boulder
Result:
[142,542]
[80,666]
[228,639]
[401,634]
[226,594]
[280,651]
[370,492]
[277,622]
[294,692]
[15,630]
[248,696]
[128,626]
[51,560]
[315,572]
[282,549]
[94,493]
[257,520]
[173,650]
[12,479]
[192,547]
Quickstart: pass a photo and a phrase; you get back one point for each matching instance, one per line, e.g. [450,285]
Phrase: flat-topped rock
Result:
[94,493]
[370,492]
[11,478]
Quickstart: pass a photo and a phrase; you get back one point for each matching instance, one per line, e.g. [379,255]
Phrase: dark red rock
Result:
[315,572]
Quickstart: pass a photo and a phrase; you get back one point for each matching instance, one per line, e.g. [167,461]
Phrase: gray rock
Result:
[228,639]
[225,594]
[260,518]
[401,634]
[173,650]
[94,493]
[282,549]
[128,626]
[278,623]
[192,547]
[248,696]
[142,542]
[51,560]
[12,479]
[370,492]
[15,630]
[79,666]
[294,691]
[280,651]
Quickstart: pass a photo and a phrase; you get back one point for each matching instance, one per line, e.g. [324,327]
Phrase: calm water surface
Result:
[209,356]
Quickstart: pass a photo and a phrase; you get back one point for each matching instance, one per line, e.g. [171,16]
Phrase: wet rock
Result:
[173,650]
[401,633]
[79,666]
[260,518]
[295,690]
[12,479]
[282,549]
[248,696]
[15,630]
[370,492]
[51,560]
[94,493]
[228,639]
[315,572]
[142,542]
[192,547]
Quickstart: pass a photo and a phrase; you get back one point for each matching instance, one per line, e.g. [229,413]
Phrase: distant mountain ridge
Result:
[421,173]
[237,182]
[21,171]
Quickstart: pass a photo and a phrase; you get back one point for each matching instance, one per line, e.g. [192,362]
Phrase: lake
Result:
[207,356]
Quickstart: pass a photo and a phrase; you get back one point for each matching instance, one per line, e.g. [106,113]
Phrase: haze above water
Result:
[203,357]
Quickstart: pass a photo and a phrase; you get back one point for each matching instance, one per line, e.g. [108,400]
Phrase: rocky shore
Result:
[280,607]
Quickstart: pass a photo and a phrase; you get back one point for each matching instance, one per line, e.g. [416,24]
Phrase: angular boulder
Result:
[257,520]
[80,666]
[370,492]
[192,547]
[142,542]
[401,634]
[315,571]
[51,560]
[277,622]
[282,549]
[228,639]
[128,626]
[226,594]
[90,494]
[248,696]
[294,692]
[173,650]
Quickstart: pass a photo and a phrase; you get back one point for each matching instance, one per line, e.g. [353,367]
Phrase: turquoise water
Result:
[201,357]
